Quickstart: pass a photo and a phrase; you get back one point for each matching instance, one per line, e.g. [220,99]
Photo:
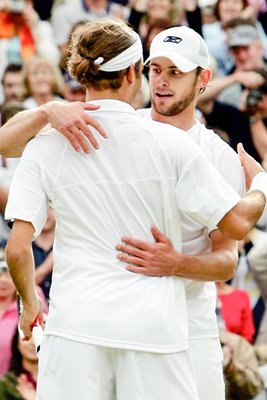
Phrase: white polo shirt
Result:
[201,296]
[141,176]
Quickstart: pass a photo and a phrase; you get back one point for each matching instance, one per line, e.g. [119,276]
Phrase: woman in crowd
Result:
[20,381]
[42,82]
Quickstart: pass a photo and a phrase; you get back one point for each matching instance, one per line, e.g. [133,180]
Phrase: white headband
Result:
[123,60]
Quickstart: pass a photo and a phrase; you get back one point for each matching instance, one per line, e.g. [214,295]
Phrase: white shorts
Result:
[207,360]
[70,370]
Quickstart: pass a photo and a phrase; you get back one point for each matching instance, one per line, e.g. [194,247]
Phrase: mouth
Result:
[163,95]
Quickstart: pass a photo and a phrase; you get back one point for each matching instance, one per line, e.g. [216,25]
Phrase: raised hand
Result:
[250,166]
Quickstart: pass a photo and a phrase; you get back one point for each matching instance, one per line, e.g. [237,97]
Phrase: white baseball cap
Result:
[183,46]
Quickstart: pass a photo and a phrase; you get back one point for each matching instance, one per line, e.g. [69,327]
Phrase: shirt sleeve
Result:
[203,193]
[27,199]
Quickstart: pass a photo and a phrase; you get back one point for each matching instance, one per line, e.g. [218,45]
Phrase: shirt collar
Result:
[113,105]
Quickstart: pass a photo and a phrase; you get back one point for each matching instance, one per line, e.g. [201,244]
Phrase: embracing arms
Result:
[68,118]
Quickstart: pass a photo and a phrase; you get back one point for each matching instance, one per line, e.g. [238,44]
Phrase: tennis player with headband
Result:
[111,334]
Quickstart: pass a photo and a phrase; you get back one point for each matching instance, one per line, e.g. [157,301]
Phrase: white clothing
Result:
[68,371]
[30,103]
[207,358]
[143,175]
[201,296]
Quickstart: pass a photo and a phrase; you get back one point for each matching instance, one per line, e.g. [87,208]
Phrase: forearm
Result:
[237,223]
[16,133]
[216,86]
[216,266]
[21,266]
[20,260]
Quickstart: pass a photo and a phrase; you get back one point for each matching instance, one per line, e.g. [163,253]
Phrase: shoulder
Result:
[47,143]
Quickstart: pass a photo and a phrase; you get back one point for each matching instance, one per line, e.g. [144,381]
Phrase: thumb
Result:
[240,149]
[158,236]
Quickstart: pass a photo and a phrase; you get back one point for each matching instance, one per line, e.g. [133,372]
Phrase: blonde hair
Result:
[101,38]
[58,82]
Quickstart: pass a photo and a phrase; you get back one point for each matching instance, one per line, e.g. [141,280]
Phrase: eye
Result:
[175,72]
[155,70]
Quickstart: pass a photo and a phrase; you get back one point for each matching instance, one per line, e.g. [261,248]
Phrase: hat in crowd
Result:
[242,35]
[183,46]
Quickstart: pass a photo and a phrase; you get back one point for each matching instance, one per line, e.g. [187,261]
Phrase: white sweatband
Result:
[123,60]
[259,182]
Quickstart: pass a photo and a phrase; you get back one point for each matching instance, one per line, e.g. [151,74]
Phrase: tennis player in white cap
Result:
[178,72]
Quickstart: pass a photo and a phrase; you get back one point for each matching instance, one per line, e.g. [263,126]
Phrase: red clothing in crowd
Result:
[237,313]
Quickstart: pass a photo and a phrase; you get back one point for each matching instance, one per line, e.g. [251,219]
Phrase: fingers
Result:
[140,244]
[95,124]
[159,237]
[131,260]
[138,270]
[130,250]
[240,148]
[88,106]
[75,124]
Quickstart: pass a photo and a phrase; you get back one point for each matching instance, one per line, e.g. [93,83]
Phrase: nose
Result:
[162,81]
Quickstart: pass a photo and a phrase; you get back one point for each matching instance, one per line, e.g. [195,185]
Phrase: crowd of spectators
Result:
[34,37]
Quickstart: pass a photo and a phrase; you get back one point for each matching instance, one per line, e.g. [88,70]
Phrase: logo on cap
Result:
[172,39]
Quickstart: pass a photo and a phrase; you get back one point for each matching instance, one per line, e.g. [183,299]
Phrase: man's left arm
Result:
[161,259]
[21,266]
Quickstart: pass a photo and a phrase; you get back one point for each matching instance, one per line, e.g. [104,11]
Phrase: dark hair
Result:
[102,38]
[216,10]
[9,109]
[15,68]
[15,365]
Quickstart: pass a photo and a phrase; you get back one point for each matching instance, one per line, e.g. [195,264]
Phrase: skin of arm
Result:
[161,259]
[21,266]
[249,79]
[68,118]
[3,199]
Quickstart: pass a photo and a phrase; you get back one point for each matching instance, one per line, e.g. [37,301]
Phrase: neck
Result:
[184,120]
[43,98]
[121,95]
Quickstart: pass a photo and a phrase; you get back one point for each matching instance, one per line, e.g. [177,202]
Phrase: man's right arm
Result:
[70,119]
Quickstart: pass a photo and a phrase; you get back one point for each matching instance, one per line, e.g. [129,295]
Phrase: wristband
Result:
[259,182]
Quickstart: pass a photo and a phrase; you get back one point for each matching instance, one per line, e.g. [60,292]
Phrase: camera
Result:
[253,98]
[16,6]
